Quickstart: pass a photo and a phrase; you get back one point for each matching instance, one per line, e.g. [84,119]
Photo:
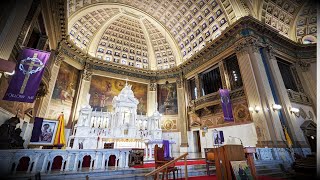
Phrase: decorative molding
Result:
[59,58]
[153,85]
[179,82]
[87,72]
[298,97]
[303,65]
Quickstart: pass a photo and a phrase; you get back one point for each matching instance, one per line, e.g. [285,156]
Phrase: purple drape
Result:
[166,146]
[36,131]
[226,104]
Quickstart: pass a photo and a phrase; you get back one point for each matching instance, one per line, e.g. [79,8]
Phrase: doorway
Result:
[197,142]
[309,129]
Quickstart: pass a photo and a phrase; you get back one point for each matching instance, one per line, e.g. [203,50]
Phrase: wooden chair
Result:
[160,160]
[209,154]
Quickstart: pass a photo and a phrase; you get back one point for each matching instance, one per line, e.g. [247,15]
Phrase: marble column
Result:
[182,111]
[44,104]
[258,92]
[84,87]
[34,168]
[290,118]
[44,164]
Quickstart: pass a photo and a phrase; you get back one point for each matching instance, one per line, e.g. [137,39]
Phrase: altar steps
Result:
[273,168]
[123,174]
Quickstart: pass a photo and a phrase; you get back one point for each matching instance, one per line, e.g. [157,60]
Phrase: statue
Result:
[10,136]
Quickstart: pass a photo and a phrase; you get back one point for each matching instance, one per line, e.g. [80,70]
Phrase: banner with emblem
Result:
[226,104]
[26,80]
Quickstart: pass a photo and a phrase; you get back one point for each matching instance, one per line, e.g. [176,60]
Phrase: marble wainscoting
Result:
[41,160]
[283,154]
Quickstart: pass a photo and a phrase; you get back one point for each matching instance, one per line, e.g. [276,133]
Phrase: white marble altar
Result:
[123,126]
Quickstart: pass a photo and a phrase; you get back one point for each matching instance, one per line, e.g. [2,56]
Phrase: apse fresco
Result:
[64,91]
[103,89]
[167,99]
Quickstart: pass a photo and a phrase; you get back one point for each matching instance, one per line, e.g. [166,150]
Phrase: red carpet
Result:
[215,178]
[180,163]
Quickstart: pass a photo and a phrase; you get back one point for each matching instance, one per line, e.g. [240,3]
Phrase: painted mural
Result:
[103,89]
[167,99]
[64,92]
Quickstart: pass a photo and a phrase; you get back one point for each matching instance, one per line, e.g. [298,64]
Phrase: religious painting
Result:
[64,92]
[104,89]
[43,132]
[241,170]
[167,99]
[218,137]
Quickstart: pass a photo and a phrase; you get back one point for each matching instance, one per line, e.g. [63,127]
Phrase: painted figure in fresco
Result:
[108,86]
[96,100]
[46,133]
[103,99]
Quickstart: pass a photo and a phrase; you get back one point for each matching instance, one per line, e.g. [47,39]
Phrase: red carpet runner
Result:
[180,163]
[215,178]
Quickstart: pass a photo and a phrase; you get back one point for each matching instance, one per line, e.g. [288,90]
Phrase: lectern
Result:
[223,156]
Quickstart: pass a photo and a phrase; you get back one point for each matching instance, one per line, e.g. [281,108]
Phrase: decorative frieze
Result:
[298,97]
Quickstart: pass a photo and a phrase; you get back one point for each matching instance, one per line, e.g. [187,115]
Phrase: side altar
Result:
[121,128]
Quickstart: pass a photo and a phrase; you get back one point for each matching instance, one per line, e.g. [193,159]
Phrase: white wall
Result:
[297,121]
[245,132]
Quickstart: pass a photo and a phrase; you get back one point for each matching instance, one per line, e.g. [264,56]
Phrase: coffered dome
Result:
[161,34]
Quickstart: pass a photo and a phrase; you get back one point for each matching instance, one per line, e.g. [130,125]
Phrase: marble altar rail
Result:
[41,160]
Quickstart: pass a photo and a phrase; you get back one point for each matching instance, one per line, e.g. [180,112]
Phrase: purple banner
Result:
[226,104]
[26,80]
[36,131]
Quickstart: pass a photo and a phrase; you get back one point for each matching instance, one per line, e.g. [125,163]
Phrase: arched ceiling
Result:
[161,34]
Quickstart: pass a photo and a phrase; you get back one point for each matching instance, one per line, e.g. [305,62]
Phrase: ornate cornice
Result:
[246,28]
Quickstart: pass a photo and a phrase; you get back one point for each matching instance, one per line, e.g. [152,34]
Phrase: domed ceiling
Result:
[161,34]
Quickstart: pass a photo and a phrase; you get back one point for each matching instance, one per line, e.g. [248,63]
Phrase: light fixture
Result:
[295,111]
[257,109]
[276,107]
[251,109]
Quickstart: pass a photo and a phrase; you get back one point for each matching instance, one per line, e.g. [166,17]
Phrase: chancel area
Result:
[149,89]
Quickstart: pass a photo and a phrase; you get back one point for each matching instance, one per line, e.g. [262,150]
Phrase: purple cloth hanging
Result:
[166,146]
[36,131]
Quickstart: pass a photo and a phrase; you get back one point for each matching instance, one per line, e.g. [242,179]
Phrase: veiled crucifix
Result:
[30,63]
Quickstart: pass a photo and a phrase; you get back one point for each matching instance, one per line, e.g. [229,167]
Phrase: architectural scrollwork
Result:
[179,82]
[303,65]
[87,72]
[247,43]
[153,85]
[58,59]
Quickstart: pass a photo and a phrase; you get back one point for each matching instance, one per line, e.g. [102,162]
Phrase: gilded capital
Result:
[246,45]
[87,72]
[153,85]
[59,58]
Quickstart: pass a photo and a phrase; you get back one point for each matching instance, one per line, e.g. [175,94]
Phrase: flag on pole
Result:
[289,142]
[60,136]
